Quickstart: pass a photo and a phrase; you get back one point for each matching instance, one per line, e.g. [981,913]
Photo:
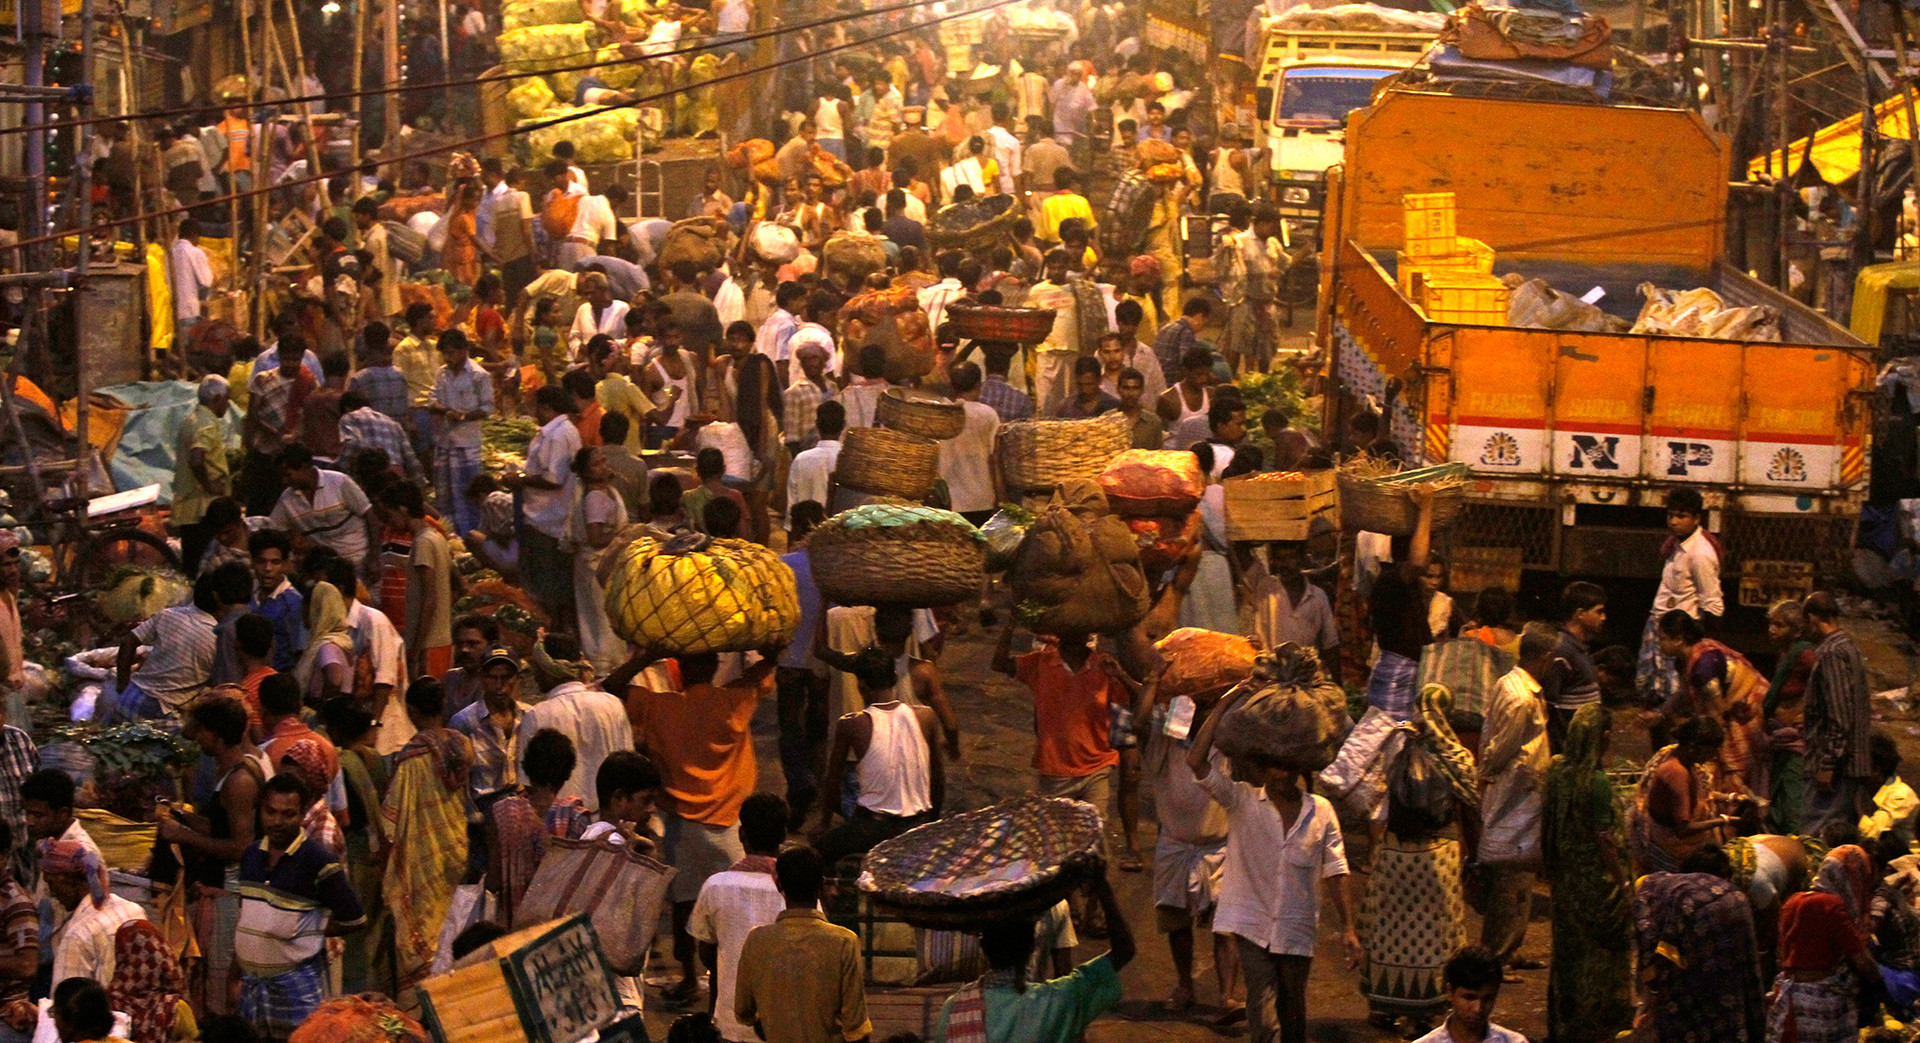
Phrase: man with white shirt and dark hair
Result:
[810,476]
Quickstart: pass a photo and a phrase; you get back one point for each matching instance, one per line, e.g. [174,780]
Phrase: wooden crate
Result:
[544,984]
[914,1009]
[1429,223]
[1278,510]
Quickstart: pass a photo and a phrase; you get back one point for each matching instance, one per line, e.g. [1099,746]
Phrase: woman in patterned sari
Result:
[1414,916]
[148,986]
[1825,942]
[1590,984]
[426,817]
[1698,961]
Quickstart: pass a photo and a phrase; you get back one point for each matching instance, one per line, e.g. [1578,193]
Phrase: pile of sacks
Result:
[1700,312]
[1156,493]
[1078,568]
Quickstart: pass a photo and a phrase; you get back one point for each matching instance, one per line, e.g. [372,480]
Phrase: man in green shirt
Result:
[1003,1008]
[200,466]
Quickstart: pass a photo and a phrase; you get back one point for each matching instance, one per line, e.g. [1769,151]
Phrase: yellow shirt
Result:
[800,979]
[1060,207]
[200,430]
[417,360]
[617,394]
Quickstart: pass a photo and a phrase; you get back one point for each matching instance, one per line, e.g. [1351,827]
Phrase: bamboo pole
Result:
[362,10]
[390,102]
[261,166]
[306,109]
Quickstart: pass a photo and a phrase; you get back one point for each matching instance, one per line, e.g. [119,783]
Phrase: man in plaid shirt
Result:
[364,427]
[462,397]
[274,401]
[383,385]
[803,398]
[1009,402]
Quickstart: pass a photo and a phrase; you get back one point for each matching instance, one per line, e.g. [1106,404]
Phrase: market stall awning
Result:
[1836,146]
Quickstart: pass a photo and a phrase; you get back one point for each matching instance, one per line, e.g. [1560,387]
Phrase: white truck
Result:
[1309,80]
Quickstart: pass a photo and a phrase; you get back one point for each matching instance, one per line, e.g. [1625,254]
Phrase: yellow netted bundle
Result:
[617,71]
[603,138]
[519,14]
[530,97]
[692,595]
[542,48]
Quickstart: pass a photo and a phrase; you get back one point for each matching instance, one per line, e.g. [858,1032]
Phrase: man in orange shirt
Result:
[239,135]
[701,737]
[1072,696]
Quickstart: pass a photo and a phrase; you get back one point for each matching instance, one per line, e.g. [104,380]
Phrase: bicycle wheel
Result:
[105,551]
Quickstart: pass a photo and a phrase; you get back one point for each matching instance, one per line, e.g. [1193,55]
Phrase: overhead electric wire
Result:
[523,128]
[705,43]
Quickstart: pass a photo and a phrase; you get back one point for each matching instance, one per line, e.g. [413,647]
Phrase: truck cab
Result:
[1309,82]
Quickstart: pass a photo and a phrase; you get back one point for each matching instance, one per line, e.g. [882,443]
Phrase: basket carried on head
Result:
[1374,497]
[693,594]
[1037,455]
[995,323]
[978,223]
[913,557]
[921,413]
[1012,859]
[894,463]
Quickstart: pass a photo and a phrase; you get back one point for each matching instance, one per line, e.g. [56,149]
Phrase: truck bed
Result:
[1587,412]
[1799,324]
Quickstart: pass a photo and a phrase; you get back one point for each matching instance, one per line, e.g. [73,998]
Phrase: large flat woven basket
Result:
[998,323]
[1373,505]
[921,413]
[1014,858]
[911,557]
[893,463]
[1036,455]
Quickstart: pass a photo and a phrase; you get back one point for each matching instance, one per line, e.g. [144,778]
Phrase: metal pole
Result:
[83,195]
[390,102]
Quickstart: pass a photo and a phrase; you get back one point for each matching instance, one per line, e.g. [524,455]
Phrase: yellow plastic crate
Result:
[1430,223]
[10,13]
[1464,297]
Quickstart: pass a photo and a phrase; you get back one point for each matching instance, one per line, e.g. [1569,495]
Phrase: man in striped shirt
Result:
[1838,722]
[293,894]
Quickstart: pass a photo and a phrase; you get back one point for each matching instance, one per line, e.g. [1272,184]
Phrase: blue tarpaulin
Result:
[152,432]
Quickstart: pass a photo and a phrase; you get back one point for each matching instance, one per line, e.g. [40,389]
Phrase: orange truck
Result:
[1574,438]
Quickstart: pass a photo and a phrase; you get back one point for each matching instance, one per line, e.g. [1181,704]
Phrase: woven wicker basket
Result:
[1006,325]
[894,463]
[921,564]
[1387,507]
[942,233]
[921,413]
[1037,455]
[1059,838]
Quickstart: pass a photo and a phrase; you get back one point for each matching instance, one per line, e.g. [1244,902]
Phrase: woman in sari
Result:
[426,816]
[520,825]
[325,669]
[366,964]
[1825,941]
[1590,983]
[149,987]
[1785,712]
[1698,960]
[1414,917]
[598,513]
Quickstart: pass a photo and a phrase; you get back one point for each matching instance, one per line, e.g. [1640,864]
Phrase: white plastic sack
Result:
[471,904]
[732,443]
[772,242]
[1356,781]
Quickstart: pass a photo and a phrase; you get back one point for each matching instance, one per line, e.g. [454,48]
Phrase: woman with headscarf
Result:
[1784,710]
[1589,985]
[1825,954]
[149,987]
[325,669]
[1414,917]
[598,513]
[1698,960]
[426,818]
[366,964]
